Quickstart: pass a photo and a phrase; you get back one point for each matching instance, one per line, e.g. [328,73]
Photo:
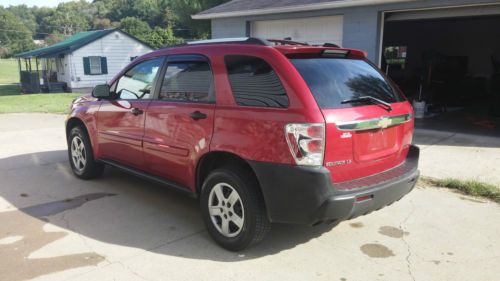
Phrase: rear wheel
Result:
[233,210]
[81,156]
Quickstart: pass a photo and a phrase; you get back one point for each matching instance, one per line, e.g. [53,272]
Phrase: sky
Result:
[50,3]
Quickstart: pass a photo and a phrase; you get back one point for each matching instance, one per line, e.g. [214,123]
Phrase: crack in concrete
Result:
[409,255]
[84,240]
[438,141]
[120,261]
[133,272]
[175,240]
[36,165]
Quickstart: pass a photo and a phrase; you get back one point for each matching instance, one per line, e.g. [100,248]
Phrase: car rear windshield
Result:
[334,80]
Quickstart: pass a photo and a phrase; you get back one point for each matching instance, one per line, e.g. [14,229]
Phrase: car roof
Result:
[286,47]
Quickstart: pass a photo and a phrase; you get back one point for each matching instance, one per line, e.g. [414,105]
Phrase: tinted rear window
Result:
[333,80]
[254,82]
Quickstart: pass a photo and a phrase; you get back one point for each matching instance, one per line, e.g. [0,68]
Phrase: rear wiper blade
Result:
[370,99]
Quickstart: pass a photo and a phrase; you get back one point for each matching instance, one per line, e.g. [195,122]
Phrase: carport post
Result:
[37,71]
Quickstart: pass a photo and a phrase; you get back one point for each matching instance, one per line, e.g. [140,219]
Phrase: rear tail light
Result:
[306,143]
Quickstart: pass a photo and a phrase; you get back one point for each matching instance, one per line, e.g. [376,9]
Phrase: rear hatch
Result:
[369,123]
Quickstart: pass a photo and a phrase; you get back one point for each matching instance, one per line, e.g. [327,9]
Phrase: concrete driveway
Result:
[56,227]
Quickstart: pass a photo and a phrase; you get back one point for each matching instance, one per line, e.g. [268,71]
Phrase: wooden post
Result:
[29,63]
[37,74]
[20,75]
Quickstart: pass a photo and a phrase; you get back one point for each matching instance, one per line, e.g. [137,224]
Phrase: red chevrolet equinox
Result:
[261,131]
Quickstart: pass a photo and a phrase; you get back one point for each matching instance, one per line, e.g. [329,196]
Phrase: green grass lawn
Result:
[12,101]
[9,71]
[45,103]
[470,187]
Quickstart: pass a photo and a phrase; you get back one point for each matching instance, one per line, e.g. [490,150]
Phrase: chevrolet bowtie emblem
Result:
[384,122]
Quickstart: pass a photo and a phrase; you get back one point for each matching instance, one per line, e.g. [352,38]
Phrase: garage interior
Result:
[451,61]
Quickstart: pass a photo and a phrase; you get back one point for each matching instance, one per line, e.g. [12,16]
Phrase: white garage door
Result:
[313,30]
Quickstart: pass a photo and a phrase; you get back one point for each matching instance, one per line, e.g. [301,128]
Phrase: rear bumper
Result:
[306,195]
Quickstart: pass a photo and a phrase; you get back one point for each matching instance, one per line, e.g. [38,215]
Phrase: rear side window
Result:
[254,82]
[188,82]
[333,80]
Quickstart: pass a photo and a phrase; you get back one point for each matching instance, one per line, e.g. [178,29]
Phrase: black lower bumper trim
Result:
[305,195]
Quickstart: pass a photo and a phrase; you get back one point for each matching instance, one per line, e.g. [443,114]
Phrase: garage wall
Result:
[312,30]
[361,27]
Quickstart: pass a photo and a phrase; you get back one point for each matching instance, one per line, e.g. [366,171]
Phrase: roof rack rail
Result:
[331,45]
[286,42]
[237,40]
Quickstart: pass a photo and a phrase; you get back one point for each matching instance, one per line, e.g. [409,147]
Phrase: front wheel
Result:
[233,209]
[80,155]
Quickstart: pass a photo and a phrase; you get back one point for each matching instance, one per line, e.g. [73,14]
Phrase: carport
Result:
[448,58]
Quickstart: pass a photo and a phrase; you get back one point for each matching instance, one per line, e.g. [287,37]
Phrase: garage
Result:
[448,60]
[313,30]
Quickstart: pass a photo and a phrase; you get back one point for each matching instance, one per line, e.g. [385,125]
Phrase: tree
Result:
[14,36]
[184,9]
[162,37]
[69,18]
[26,15]
[135,27]
[157,37]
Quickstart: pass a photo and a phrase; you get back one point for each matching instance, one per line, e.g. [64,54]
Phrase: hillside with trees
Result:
[160,23]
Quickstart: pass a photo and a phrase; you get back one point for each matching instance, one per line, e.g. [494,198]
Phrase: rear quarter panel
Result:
[257,133]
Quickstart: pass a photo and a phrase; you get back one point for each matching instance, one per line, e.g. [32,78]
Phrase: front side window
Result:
[254,82]
[95,65]
[188,82]
[138,81]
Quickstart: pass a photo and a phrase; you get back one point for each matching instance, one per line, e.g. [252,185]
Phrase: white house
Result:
[79,62]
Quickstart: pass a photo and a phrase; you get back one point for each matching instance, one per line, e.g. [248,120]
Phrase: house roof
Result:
[71,44]
[237,8]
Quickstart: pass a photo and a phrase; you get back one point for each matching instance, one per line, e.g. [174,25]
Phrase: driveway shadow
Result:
[124,210]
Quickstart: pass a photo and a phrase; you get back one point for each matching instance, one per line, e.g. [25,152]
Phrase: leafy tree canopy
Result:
[158,22]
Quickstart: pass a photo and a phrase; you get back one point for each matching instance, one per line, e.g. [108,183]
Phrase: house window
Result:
[95,65]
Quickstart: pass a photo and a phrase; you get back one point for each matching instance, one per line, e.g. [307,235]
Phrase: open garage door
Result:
[312,30]
[453,56]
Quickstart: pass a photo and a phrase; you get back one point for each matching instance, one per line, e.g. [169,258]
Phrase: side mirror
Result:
[101,91]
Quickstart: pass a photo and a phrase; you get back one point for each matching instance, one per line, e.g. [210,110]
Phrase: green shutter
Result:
[104,65]
[86,65]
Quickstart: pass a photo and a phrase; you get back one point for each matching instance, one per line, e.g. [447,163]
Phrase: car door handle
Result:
[197,115]
[137,111]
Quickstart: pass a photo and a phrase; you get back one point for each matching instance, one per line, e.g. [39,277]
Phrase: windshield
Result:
[333,80]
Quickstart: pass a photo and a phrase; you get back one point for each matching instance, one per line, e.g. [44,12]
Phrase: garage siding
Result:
[361,25]
[312,30]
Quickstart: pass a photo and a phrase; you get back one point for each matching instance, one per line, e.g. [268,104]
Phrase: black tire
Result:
[255,221]
[91,169]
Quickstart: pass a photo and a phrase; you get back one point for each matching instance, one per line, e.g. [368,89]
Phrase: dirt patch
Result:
[393,232]
[471,199]
[376,251]
[21,233]
[356,225]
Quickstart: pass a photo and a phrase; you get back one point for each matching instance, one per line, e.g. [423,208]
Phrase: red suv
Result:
[260,131]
